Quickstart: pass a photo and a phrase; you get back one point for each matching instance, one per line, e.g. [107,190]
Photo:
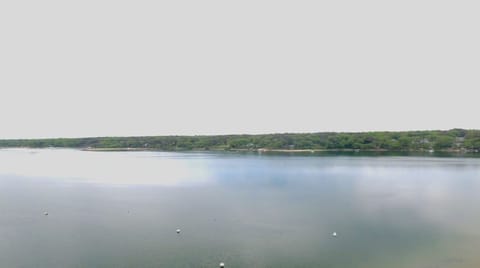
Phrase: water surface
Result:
[121,209]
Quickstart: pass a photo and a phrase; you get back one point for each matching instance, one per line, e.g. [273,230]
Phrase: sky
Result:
[127,68]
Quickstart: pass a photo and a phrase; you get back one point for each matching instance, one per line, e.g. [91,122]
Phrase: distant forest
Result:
[451,140]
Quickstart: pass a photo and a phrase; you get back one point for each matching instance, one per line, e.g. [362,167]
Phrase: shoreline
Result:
[453,140]
[259,150]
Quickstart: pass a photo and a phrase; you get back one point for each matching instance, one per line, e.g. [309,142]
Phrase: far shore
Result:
[455,141]
[258,150]
[267,150]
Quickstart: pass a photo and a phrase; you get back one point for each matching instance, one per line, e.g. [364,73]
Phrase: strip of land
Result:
[454,140]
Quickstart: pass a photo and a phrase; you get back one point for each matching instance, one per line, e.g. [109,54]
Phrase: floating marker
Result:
[222,264]
[178,231]
[45,213]
[334,234]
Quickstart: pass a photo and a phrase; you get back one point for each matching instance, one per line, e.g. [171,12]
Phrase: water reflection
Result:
[121,168]
[244,209]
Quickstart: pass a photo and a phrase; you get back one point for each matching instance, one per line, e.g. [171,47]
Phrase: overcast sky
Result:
[101,68]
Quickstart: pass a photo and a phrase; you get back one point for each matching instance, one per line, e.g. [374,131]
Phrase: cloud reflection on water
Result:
[121,168]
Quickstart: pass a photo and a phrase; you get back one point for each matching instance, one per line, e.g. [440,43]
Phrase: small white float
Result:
[178,231]
[222,265]
[334,234]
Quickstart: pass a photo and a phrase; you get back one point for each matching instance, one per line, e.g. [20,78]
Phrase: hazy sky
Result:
[96,68]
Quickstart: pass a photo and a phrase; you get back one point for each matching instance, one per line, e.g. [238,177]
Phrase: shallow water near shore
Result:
[122,209]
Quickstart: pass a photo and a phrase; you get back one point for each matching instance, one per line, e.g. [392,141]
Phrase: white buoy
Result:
[178,231]
[334,234]
[45,213]
[222,264]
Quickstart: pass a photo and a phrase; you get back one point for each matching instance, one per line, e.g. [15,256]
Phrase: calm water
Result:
[121,209]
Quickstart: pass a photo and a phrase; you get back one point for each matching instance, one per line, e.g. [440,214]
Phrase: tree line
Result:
[449,140]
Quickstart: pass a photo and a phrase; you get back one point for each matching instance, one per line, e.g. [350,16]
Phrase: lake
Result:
[122,209]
